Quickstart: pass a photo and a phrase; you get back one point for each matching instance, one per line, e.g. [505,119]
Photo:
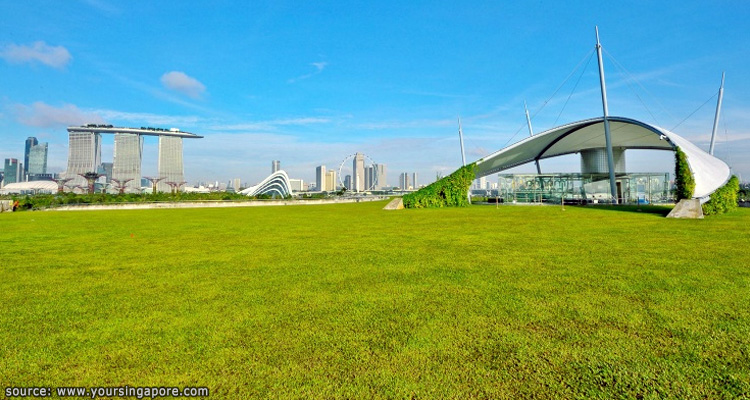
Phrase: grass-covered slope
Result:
[348,301]
[450,191]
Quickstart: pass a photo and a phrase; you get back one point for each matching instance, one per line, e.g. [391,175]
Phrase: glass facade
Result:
[170,162]
[126,165]
[30,142]
[37,159]
[11,171]
[633,188]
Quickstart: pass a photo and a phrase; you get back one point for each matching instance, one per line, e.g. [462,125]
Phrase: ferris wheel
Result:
[343,170]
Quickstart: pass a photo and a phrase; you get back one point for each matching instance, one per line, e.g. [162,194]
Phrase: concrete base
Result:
[395,204]
[6,206]
[690,209]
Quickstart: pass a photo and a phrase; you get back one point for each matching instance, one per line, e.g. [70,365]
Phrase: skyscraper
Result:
[358,172]
[127,156]
[320,179]
[403,181]
[30,142]
[170,162]
[369,177]
[12,171]
[348,182]
[382,179]
[275,166]
[414,180]
[36,163]
[84,155]
[107,171]
[331,180]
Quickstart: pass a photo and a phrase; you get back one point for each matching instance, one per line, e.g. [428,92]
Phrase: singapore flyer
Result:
[368,167]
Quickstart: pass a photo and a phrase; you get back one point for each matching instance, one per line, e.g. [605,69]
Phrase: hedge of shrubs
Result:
[450,191]
[724,199]
[684,181]
[42,201]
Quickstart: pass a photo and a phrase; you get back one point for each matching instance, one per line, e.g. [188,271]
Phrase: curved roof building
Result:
[587,136]
[32,186]
[276,184]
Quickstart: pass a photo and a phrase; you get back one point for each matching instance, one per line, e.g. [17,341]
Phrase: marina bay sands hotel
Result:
[85,150]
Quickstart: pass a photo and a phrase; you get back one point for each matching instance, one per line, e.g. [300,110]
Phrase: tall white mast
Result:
[716,117]
[607,134]
[531,133]
[528,120]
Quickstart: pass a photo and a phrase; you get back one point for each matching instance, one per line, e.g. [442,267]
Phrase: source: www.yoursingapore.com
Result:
[102,392]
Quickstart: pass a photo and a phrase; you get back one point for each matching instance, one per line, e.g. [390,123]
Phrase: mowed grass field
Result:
[350,301]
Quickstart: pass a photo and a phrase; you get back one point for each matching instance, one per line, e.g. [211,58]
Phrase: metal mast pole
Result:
[531,133]
[607,134]
[716,117]
[461,138]
[528,120]
[463,155]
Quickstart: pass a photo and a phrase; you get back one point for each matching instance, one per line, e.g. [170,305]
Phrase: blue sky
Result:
[309,83]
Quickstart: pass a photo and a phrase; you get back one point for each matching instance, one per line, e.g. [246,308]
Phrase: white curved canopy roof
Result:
[710,172]
[276,183]
[39,186]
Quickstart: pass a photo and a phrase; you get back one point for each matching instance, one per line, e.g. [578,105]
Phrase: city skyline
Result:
[309,91]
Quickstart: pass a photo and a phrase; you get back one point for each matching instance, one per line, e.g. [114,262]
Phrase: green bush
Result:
[724,199]
[683,181]
[450,191]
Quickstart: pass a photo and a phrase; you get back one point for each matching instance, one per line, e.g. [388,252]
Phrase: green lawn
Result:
[349,301]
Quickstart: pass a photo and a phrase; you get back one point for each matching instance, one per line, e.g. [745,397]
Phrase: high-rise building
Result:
[30,142]
[12,171]
[414,181]
[320,179]
[275,166]
[36,163]
[403,181]
[331,180]
[380,174]
[84,155]
[237,184]
[127,157]
[348,182]
[170,162]
[481,183]
[369,177]
[358,172]
[106,169]
[296,185]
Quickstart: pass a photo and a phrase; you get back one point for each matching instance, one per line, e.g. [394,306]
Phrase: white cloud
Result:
[182,83]
[53,56]
[44,115]
[319,67]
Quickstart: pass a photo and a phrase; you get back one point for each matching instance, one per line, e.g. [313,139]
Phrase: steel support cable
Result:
[695,111]
[619,65]
[629,77]
[574,88]
[587,56]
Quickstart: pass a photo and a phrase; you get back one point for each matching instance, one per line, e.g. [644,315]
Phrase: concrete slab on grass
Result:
[690,209]
[395,204]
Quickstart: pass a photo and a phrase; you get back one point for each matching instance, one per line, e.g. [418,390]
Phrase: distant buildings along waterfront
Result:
[85,149]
